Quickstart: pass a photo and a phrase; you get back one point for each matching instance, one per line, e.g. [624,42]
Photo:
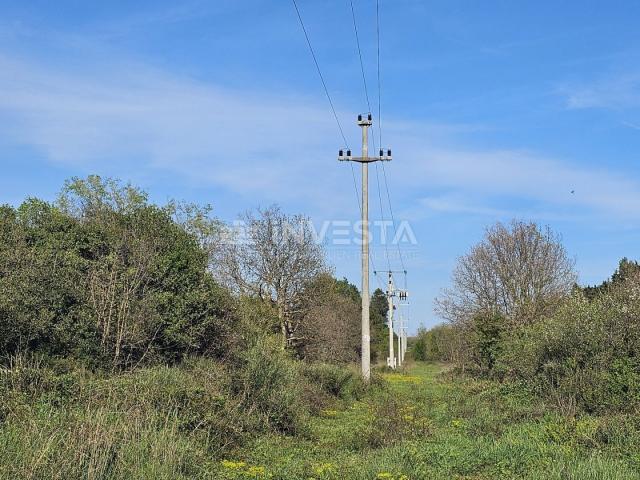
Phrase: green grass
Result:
[423,423]
[441,427]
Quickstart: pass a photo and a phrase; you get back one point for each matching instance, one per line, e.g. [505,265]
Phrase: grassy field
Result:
[422,423]
[428,425]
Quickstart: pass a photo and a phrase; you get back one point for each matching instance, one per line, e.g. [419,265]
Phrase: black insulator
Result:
[348,153]
[340,153]
[359,118]
[381,153]
[369,117]
[388,153]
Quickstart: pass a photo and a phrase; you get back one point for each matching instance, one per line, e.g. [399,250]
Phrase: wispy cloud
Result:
[548,181]
[273,145]
[453,202]
[634,126]
[148,118]
[615,92]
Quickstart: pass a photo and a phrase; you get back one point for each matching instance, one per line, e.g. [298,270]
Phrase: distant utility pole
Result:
[400,340]
[392,292]
[404,339]
[405,342]
[365,160]
[391,360]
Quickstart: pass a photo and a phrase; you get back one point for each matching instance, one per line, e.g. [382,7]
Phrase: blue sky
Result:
[494,110]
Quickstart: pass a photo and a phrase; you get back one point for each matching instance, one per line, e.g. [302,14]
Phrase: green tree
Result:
[107,277]
[627,269]
[331,327]
[378,309]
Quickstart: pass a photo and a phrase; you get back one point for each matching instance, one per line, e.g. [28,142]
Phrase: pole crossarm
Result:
[365,160]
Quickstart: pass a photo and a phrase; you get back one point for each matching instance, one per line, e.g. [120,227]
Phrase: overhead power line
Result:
[384,172]
[378,64]
[393,220]
[366,94]
[324,84]
[364,78]
[335,115]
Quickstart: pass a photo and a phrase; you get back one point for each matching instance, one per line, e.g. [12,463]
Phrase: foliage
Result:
[268,385]
[333,380]
[436,344]
[582,357]
[626,269]
[157,422]
[330,330]
[106,277]
[123,357]
[440,426]
[378,309]
[485,340]
[586,356]
[520,271]
[274,258]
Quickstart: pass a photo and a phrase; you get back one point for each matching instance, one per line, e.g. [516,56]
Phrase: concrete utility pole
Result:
[400,341]
[403,337]
[404,340]
[392,291]
[391,360]
[365,160]
[404,351]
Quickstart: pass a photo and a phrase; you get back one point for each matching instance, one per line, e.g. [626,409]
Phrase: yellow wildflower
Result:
[323,468]
[232,465]
[256,471]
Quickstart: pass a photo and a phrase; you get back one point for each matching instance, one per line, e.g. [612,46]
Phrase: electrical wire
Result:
[364,78]
[366,94]
[333,110]
[324,84]
[393,220]
[378,65]
[384,171]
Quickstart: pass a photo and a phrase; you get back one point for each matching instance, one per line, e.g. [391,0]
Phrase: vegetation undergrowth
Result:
[158,422]
[428,423]
[278,418]
[147,341]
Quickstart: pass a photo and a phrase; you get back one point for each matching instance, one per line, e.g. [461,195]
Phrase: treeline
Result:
[515,313]
[106,278]
[128,328]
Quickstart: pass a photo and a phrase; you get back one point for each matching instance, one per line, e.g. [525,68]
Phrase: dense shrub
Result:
[267,381]
[108,278]
[330,328]
[439,343]
[587,355]
[169,420]
[333,380]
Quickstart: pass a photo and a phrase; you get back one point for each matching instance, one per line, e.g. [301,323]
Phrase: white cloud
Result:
[493,178]
[131,113]
[274,146]
[615,92]
[455,203]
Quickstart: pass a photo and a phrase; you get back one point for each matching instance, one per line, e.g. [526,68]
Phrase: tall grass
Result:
[160,422]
